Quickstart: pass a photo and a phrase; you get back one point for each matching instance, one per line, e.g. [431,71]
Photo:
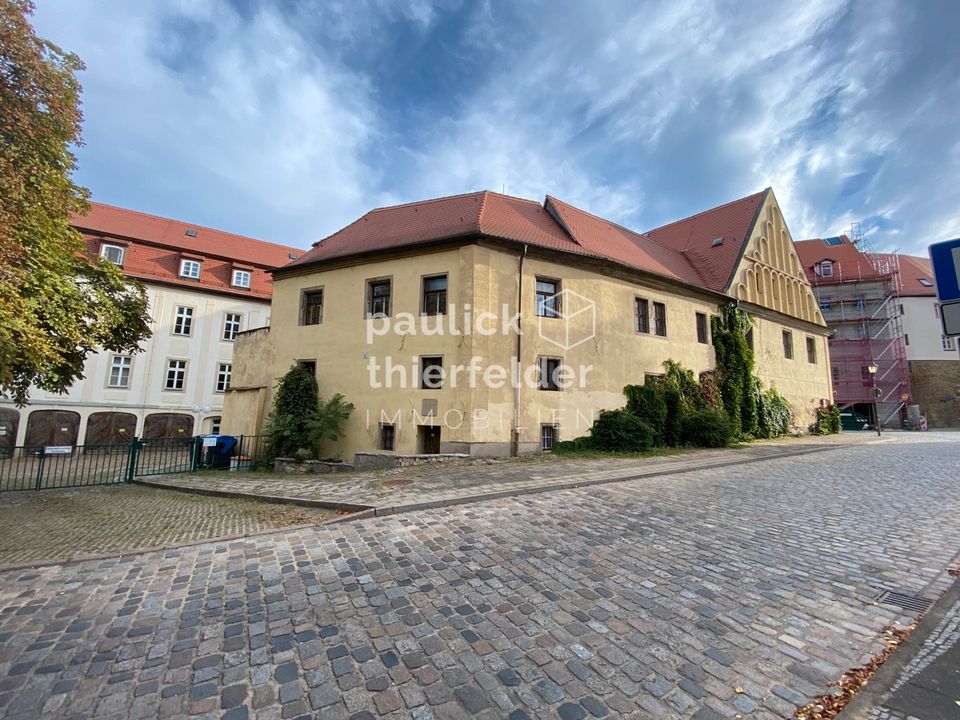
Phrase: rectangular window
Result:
[190,269]
[860,302]
[548,437]
[660,319]
[906,339]
[431,373]
[811,351]
[947,342]
[388,435]
[434,295]
[824,303]
[311,307]
[120,371]
[701,328]
[750,339]
[548,301]
[378,298]
[113,253]
[224,370]
[231,325]
[549,373]
[836,373]
[183,320]
[241,279]
[176,374]
[788,344]
[643,315]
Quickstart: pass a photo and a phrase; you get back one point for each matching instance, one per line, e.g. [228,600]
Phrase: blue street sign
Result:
[945,257]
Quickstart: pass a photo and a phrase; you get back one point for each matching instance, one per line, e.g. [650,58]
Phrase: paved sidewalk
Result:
[457,482]
[923,682]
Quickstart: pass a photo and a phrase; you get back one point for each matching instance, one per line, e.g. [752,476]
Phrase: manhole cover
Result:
[913,603]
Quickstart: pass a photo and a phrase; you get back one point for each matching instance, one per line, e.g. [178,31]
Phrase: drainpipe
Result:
[515,450]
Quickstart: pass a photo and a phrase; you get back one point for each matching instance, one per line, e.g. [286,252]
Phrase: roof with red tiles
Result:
[913,271]
[684,250]
[849,262]
[154,246]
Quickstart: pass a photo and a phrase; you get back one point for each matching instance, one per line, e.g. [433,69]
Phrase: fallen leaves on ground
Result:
[829,704]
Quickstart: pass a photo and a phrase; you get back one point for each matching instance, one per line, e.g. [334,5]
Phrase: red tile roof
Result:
[913,269]
[849,262]
[154,246]
[683,250]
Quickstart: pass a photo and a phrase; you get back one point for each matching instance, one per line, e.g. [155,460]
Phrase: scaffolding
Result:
[859,300]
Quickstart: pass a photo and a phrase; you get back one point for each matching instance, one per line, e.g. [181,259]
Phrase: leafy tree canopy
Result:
[57,303]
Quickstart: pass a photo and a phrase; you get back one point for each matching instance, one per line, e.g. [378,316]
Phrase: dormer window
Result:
[190,269]
[826,268]
[241,279]
[113,253]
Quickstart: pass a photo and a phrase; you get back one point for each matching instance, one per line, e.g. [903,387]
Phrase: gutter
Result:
[516,384]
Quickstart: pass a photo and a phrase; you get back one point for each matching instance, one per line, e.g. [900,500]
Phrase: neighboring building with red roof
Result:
[933,359]
[495,325]
[204,286]
[860,294]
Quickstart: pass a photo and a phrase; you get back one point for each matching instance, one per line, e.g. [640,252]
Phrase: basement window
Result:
[388,435]
[548,437]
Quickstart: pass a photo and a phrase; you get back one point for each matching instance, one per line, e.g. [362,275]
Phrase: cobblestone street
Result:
[736,590]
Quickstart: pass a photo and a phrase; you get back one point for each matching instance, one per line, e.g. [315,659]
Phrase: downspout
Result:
[515,450]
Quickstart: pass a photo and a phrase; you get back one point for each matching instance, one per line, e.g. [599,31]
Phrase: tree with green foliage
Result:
[300,421]
[735,368]
[57,303]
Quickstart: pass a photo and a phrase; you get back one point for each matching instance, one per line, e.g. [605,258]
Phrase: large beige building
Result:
[493,325]
[204,286]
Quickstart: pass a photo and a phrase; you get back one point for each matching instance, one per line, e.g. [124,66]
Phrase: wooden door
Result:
[429,440]
[52,427]
[110,428]
[9,424]
[168,425]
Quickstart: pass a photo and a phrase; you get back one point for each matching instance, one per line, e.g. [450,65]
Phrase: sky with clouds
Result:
[286,120]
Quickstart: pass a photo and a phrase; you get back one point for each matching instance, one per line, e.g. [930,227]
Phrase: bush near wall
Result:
[722,406]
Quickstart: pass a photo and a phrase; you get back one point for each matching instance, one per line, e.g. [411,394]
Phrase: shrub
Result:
[300,423]
[647,403]
[773,414]
[827,422]
[620,431]
[707,428]
[566,447]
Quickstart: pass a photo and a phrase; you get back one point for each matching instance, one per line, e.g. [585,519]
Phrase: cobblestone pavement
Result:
[58,525]
[738,590]
[418,487]
[928,688]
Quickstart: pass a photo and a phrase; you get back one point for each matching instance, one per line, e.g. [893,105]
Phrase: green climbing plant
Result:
[738,391]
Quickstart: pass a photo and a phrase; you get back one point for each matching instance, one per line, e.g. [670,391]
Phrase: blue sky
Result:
[286,120]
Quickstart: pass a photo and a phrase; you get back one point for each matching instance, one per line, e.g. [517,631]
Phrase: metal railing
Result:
[67,466]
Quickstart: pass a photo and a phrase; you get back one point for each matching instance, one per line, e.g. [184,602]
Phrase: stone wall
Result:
[936,388]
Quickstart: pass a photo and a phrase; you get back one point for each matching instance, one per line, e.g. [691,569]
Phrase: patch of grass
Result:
[584,454]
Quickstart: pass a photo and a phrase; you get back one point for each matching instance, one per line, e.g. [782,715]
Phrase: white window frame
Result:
[239,275]
[106,247]
[224,374]
[123,369]
[228,332]
[190,269]
[183,317]
[826,268]
[179,368]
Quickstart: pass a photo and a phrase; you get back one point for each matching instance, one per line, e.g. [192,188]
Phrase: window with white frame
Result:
[120,371]
[190,269]
[947,342]
[113,253]
[241,279]
[231,325]
[183,320]
[826,268]
[176,375]
[224,370]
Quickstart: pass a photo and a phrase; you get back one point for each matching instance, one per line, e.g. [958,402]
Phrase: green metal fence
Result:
[42,468]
